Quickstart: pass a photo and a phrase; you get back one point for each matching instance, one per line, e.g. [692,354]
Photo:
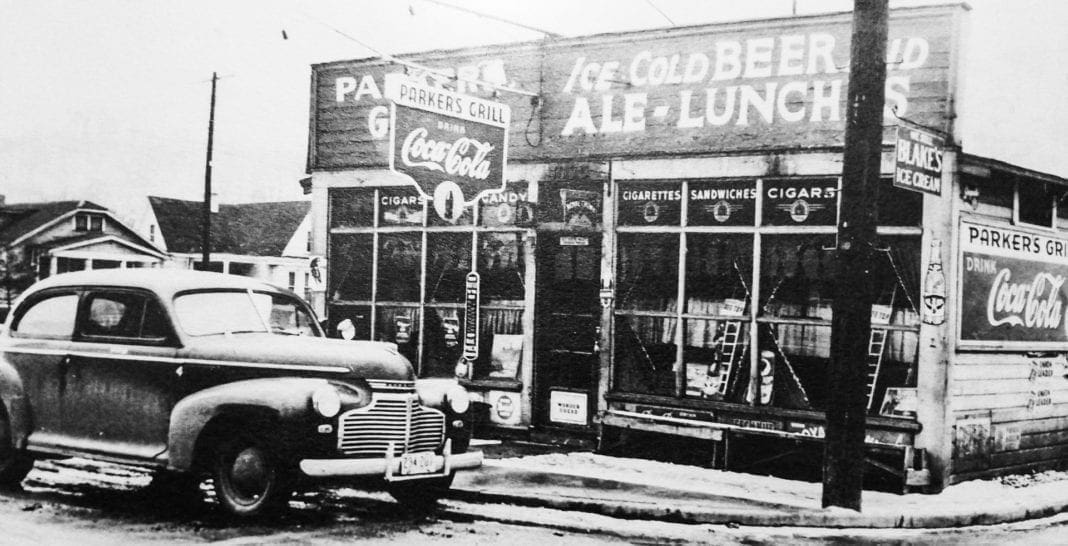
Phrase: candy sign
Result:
[453,147]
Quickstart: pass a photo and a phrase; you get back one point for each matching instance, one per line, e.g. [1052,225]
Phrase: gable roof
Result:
[20,219]
[252,229]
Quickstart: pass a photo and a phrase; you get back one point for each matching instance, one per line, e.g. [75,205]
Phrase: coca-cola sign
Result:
[453,147]
[1013,289]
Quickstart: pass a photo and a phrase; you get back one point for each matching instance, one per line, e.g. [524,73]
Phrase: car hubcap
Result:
[250,474]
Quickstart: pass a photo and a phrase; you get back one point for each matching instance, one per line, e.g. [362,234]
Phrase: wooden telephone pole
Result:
[843,459]
[205,228]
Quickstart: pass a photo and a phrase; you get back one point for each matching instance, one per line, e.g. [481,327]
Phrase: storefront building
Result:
[662,257]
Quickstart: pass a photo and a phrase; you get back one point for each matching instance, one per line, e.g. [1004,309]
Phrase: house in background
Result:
[268,241]
[41,239]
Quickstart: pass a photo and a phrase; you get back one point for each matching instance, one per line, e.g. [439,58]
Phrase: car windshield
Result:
[233,312]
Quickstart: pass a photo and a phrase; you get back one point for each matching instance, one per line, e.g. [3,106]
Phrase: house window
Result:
[88,222]
[292,281]
[152,233]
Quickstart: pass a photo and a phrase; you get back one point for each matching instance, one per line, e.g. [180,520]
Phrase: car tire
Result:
[250,480]
[420,495]
[15,464]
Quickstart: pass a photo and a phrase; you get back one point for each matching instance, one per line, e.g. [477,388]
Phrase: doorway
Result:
[567,318]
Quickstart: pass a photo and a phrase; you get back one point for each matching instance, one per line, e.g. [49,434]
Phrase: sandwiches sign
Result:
[452,147]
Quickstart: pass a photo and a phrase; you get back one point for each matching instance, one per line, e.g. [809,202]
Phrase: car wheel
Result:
[15,464]
[249,478]
[420,495]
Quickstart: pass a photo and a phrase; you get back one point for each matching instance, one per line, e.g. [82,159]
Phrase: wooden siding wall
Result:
[1011,413]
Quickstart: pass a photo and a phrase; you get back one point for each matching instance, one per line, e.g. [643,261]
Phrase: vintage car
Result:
[195,374]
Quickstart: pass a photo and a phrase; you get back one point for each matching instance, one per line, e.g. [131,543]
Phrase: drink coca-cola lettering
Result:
[465,157]
[1034,303]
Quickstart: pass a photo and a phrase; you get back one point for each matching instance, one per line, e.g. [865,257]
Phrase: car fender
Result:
[15,403]
[285,399]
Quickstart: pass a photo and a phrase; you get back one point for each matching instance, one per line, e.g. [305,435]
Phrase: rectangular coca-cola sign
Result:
[1013,289]
[453,147]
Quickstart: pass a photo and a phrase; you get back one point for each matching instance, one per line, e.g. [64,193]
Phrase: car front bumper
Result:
[389,466]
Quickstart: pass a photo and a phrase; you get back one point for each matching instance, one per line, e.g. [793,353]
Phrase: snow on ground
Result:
[1021,490]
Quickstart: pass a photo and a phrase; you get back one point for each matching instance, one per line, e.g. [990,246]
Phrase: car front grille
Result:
[392,417]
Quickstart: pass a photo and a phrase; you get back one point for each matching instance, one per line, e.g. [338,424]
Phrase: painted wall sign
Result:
[472,286]
[569,407]
[1013,291]
[454,147]
[741,86]
[721,203]
[934,287]
[918,160]
[801,202]
[650,204]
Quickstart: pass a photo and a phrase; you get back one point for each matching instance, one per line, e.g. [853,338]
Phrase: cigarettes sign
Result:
[918,161]
[452,146]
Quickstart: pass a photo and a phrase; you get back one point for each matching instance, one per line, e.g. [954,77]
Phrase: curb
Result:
[691,513]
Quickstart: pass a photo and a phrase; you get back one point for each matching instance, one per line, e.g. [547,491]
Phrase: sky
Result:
[108,100]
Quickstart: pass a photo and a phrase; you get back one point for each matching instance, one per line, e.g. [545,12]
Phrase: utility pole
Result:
[205,228]
[843,458]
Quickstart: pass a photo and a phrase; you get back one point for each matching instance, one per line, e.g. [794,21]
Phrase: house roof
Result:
[254,229]
[19,219]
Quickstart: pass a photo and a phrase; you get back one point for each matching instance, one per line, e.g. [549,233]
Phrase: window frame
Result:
[88,294]
[37,298]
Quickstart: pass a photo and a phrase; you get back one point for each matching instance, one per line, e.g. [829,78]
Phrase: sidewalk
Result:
[642,489]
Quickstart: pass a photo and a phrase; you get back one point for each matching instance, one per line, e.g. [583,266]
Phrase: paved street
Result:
[78,502]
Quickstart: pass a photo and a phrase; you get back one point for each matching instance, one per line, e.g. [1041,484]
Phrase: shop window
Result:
[1062,208]
[448,260]
[400,325]
[442,341]
[652,204]
[647,289]
[358,315]
[1036,203]
[400,206]
[399,260]
[351,259]
[897,206]
[500,344]
[994,192]
[351,207]
[719,269]
[510,207]
[721,203]
[647,272]
[794,341]
[800,202]
[501,266]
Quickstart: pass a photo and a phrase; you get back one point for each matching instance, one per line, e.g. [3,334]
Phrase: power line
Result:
[495,18]
[416,66]
[660,11]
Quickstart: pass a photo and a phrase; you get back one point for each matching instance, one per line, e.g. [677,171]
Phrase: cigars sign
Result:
[453,147]
[1013,290]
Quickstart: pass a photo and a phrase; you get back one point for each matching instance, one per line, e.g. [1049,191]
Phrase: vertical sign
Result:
[918,160]
[471,289]
[453,147]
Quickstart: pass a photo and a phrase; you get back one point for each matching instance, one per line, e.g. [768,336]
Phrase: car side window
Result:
[51,317]
[123,315]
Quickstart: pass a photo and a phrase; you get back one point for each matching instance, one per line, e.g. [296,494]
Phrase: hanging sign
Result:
[918,160]
[1013,291]
[472,285]
[453,147]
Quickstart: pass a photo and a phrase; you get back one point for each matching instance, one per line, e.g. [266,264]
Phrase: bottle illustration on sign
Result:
[934,288]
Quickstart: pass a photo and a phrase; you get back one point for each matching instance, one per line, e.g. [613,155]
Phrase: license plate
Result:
[416,463]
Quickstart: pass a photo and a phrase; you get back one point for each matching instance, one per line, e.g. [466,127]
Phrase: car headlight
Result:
[326,401]
[458,399]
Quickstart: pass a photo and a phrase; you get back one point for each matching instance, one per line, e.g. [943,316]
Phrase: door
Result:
[123,378]
[566,331]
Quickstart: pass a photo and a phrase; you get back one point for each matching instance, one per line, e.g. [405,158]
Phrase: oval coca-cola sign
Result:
[1013,289]
[451,146]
